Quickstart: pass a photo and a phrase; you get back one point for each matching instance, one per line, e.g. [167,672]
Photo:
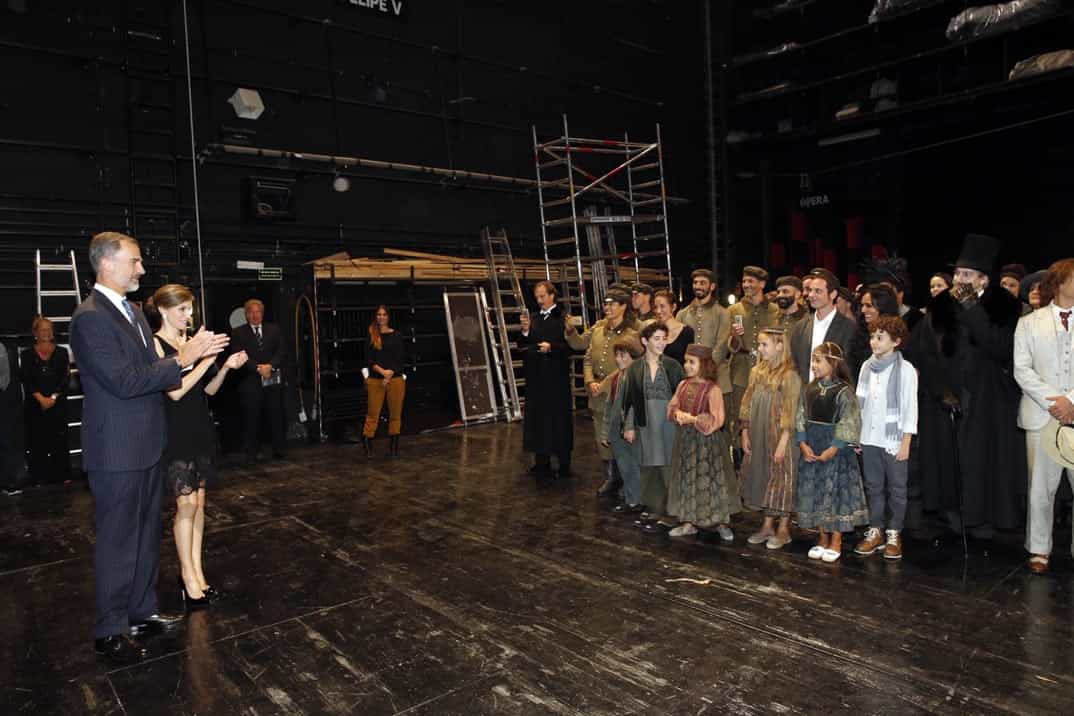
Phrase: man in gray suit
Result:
[123,437]
[1044,369]
[826,325]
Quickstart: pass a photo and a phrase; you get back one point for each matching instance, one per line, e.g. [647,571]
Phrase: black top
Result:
[676,350]
[44,376]
[389,356]
[190,428]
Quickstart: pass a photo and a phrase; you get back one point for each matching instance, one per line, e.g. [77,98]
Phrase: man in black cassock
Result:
[547,422]
[964,351]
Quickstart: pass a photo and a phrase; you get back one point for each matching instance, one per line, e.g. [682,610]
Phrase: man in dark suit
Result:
[826,325]
[260,388]
[123,437]
[12,461]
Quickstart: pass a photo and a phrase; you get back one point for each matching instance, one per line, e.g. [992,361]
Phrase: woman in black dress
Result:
[45,371]
[189,459]
[680,335]
[385,380]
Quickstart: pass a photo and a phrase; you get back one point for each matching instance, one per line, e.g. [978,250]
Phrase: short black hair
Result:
[652,328]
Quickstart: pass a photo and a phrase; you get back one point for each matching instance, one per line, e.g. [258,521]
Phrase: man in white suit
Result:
[1044,368]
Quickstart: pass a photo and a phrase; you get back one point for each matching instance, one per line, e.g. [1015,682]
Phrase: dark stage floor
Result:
[444,582]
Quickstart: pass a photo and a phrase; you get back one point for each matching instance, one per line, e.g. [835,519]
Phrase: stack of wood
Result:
[419,266]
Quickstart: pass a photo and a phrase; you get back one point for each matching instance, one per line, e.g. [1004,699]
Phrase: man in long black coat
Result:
[964,351]
[548,426]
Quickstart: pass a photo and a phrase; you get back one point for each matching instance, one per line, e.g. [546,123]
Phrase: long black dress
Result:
[49,460]
[548,428]
[190,457]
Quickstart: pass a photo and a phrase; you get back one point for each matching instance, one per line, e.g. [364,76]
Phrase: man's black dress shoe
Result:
[155,623]
[119,649]
[655,528]
[279,454]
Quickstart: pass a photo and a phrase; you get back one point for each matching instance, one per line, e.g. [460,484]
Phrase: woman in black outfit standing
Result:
[45,371]
[680,335]
[384,362]
[190,458]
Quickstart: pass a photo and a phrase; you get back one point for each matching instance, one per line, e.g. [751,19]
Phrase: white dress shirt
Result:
[118,301]
[820,330]
[874,416]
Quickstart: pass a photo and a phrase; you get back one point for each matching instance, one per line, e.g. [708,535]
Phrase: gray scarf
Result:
[879,365]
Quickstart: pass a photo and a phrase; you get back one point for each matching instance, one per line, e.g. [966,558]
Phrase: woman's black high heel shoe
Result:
[190,603]
[211,594]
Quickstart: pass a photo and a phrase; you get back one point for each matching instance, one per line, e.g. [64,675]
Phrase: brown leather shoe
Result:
[1038,564]
[874,537]
[893,549]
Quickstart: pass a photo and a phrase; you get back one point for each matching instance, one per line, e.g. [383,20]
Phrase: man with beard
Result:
[548,428]
[826,326]
[711,324]
[598,364]
[749,317]
[965,353]
[788,300]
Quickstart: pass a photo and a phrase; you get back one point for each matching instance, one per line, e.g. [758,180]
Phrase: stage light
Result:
[341,183]
[246,103]
[731,298]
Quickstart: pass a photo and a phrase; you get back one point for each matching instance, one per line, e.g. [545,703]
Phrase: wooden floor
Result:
[446,582]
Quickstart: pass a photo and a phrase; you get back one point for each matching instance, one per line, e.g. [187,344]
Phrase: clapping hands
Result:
[202,344]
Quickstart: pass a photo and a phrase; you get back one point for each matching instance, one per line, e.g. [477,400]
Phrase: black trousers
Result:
[127,553]
[261,403]
[544,460]
[46,434]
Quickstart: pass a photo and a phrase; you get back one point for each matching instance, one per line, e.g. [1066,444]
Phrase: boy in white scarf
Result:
[887,391]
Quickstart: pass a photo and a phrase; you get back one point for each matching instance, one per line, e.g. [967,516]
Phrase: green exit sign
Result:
[270,274]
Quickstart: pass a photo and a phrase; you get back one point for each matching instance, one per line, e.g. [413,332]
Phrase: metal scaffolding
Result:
[624,182]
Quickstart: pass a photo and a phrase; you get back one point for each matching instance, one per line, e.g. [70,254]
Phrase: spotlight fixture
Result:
[246,103]
[341,183]
[731,298]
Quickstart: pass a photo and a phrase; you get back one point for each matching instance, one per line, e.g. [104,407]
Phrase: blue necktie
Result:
[130,317]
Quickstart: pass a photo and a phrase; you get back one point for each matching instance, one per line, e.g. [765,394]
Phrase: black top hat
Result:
[978,253]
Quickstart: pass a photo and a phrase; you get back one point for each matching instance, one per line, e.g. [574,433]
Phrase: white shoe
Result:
[830,555]
[725,533]
[758,538]
[683,530]
[776,542]
[817,552]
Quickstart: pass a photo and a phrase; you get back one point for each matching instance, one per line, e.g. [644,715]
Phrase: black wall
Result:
[93,120]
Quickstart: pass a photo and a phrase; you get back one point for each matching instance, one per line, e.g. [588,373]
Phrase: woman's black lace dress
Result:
[190,457]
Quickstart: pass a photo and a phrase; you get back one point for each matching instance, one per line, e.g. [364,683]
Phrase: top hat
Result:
[1058,442]
[978,253]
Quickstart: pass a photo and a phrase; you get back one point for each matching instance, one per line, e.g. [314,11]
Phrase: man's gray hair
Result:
[253,302]
[106,245]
